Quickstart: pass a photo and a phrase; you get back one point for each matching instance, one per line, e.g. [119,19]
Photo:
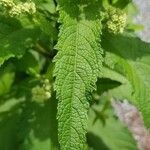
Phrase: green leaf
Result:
[121,3]
[25,125]
[40,127]
[29,63]
[9,117]
[132,59]
[47,5]
[15,44]
[8,25]
[7,76]
[77,66]
[112,135]
[15,41]
[115,83]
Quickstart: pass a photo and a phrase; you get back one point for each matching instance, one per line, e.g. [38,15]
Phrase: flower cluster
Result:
[17,9]
[23,8]
[116,20]
[7,3]
[41,92]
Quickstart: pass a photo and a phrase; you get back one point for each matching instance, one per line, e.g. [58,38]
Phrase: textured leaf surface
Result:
[77,65]
[132,59]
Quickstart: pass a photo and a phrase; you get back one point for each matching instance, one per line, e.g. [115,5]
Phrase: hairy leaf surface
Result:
[77,66]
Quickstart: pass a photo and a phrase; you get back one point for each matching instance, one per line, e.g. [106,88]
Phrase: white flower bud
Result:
[15,11]
[21,8]
[116,21]
[47,95]
[7,3]
[41,93]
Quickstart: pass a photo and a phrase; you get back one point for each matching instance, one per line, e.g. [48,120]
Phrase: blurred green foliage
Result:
[27,50]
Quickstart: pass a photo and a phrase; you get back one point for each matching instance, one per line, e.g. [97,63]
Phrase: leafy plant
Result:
[61,62]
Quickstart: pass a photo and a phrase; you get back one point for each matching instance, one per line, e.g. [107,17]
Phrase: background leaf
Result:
[112,135]
[132,57]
